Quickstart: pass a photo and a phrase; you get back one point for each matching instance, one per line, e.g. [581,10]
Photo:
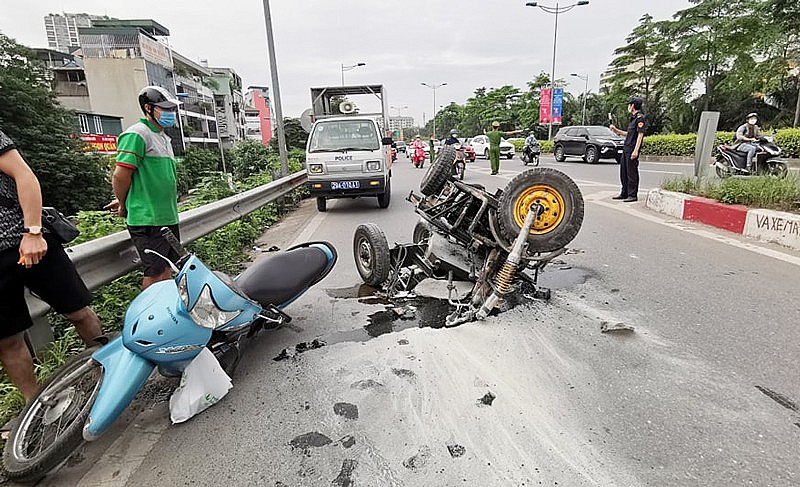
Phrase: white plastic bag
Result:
[203,384]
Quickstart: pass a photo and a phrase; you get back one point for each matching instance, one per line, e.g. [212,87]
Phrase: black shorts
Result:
[151,238]
[54,279]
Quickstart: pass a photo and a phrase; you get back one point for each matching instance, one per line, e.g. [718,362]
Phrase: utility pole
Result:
[277,91]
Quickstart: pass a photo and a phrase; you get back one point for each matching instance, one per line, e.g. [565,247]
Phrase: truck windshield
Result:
[340,135]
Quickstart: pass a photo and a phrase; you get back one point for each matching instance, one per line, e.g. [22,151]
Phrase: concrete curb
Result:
[765,225]
[795,163]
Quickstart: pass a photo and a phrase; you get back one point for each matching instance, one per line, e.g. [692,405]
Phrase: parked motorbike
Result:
[166,326]
[731,162]
[531,152]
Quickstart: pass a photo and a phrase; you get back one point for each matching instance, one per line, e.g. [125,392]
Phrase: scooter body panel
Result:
[124,373]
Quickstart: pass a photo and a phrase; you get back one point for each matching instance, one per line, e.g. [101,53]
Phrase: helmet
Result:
[157,96]
[417,137]
[637,102]
[751,115]
[495,124]
[453,132]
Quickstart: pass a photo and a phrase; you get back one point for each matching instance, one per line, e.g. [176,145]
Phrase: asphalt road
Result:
[703,392]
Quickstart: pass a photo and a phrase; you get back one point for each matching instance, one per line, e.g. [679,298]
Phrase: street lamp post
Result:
[350,68]
[276,90]
[584,77]
[554,10]
[434,87]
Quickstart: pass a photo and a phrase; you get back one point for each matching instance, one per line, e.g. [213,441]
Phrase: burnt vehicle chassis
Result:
[468,234]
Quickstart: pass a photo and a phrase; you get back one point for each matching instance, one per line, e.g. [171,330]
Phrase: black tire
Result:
[386,196]
[510,156]
[592,154]
[76,400]
[561,198]
[371,253]
[422,231]
[558,153]
[322,204]
[436,177]
[486,154]
[722,173]
[524,158]
[778,169]
[536,160]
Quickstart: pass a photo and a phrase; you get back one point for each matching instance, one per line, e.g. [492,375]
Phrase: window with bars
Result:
[98,125]
[84,121]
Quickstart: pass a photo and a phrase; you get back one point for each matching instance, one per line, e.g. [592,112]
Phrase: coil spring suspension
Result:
[505,277]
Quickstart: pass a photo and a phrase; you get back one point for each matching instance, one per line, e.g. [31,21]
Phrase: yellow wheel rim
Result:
[552,202]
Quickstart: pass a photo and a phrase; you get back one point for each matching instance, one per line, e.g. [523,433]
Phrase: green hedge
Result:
[683,145]
[759,192]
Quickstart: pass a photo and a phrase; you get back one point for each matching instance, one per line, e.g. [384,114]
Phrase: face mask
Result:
[166,119]
[752,121]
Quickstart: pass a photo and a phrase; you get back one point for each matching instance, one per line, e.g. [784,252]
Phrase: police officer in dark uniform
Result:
[629,165]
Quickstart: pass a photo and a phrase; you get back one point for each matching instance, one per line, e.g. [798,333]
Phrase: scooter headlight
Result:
[205,311]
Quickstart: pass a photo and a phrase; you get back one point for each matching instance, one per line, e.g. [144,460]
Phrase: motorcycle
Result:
[459,162]
[730,162]
[165,327]
[531,152]
[418,157]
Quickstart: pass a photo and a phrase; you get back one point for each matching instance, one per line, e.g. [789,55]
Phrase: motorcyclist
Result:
[453,138]
[748,133]
[530,143]
[417,152]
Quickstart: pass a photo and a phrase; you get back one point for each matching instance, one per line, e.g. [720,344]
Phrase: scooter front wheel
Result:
[50,427]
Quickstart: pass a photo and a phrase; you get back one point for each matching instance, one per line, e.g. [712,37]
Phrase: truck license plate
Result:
[345,184]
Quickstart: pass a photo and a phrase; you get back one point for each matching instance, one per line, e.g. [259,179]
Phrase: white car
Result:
[481,145]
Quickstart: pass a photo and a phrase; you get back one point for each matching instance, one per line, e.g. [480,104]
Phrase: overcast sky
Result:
[465,43]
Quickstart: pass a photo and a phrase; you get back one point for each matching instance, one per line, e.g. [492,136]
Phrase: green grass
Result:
[757,192]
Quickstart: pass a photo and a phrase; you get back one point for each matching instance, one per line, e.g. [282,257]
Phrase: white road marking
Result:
[312,227]
[597,198]
[661,172]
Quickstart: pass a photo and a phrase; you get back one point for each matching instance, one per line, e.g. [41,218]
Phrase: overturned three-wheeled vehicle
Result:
[497,242]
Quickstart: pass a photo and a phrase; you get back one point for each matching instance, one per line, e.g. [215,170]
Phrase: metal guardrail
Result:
[102,260]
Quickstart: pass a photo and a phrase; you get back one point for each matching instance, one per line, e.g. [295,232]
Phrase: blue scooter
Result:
[165,326]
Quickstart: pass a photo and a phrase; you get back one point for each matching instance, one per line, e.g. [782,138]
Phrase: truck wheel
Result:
[371,252]
[385,197]
[562,202]
[322,204]
[436,177]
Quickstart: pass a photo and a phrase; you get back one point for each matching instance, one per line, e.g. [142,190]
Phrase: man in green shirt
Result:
[145,182]
[495,136]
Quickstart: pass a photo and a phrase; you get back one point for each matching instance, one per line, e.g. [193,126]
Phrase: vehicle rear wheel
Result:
[322,204]
[371,252]
[422,232]
[778,169]
[510,156]
[48,432]
[385,197]
[592,155]
[436,177]
[561,199]
[558,153]
[486,154]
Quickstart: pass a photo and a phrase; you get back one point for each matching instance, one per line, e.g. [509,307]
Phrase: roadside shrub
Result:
[196,164]
[684,145]
[759,192]
[546,146]
[518,144]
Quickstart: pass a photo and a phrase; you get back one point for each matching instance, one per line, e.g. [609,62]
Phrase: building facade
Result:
[257,98]
[229,106]
[62,29]
[399,123]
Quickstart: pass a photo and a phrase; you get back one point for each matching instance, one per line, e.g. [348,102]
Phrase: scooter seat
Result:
[280,278]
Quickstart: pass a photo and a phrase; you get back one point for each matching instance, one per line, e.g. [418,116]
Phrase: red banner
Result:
[544,106]
[101,143]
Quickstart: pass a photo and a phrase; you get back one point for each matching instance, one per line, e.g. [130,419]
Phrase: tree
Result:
[71,179]
[296,136]
[707,38]
[636,60]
